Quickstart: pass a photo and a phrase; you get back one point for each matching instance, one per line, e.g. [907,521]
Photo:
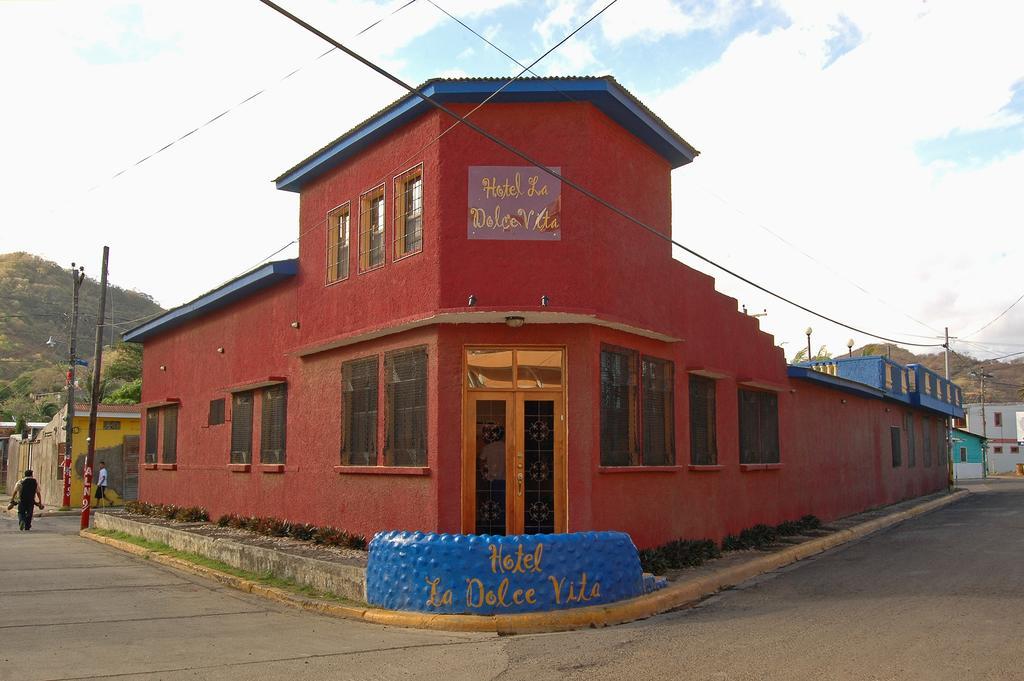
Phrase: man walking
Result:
[27,496]
[101,484]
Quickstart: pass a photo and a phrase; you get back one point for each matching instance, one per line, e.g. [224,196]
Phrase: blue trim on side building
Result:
[603,93]
[233,291]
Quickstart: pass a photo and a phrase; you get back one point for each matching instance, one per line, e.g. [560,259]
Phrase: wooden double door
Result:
[514,463]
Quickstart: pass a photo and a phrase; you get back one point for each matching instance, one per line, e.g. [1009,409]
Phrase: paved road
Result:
[939,597]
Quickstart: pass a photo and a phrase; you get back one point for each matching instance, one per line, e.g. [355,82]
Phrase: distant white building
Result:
[1003,426]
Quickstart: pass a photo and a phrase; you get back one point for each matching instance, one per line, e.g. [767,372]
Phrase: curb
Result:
[674,596]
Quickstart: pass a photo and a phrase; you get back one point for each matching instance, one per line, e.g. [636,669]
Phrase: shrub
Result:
[356,541]
[789,528]
[810,522]
[759,536]
[689,552]
[191,514]
[653,561]
[225,520]
[301,531]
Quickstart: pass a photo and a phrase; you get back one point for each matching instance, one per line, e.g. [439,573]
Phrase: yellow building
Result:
[117,444]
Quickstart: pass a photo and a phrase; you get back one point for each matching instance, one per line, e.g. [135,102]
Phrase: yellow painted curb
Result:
[673,596]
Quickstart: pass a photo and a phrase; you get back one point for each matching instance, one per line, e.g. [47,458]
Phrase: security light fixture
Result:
[295,324]
[514,321]
[220,350]
[472,300]
[544,300]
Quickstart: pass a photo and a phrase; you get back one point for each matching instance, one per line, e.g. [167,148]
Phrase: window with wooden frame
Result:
[703,430]
[408,213]
[337,243]
[759,427]
[371,229]
[216,415]
[152,434]
[359,412]
[241,427]
[273,423]
[170,448]
[894,443]
[405,374]
[636,409]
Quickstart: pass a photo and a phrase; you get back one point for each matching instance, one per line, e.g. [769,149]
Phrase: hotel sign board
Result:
[514,203]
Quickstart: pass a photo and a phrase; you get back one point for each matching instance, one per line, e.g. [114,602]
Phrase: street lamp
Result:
[809,331]
[849,347]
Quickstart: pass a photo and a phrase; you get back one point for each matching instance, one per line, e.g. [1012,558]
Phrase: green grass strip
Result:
[266,579]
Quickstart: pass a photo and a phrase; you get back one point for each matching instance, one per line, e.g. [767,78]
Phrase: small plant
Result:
[810,522]
[653,561]
[356,541]
[225,519]
[329,536]
[301,531]
[789,528]
[191,514]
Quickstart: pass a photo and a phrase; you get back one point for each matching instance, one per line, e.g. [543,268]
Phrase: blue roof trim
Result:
[233,291]
[846,385]
[603,93]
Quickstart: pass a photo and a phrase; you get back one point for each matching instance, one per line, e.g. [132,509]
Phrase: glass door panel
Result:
[538,437]
[492,444]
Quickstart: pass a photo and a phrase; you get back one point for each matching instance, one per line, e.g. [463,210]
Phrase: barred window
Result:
[241,427]
[170,453]
[273,424]
[894,440]
[371,229]
[703,435]
[406,416]
[216,415]
[618,408]
[408,212]
[759,427]
[337,243]
[908,425]
[656,412]
[359,412]
[926,433]
[636,416]
[152,434]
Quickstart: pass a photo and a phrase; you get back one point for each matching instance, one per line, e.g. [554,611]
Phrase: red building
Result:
[464,344]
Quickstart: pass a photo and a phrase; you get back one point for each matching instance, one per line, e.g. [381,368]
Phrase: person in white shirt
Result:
[101,483]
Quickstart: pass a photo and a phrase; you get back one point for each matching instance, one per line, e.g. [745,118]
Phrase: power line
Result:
[996,318]
[508,147]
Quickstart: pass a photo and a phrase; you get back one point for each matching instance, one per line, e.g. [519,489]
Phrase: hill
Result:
[35,305]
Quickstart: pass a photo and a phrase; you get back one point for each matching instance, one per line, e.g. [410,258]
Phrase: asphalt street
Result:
[937,597]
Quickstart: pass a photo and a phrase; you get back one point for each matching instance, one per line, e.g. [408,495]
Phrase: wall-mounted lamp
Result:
[220,350]
[544,300]
[843,401]
[163,367]
[295,324]
[514,321]
[472,300]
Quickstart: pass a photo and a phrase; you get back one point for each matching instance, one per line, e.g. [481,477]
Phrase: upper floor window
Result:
[337,243]
[636,409]
[997,419]
[371,229]
[408,212]
[216,415]
[759,426]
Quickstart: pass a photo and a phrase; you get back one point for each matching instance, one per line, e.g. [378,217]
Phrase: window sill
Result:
[239,467]
[149,466]
[272,468]
[382,470]
[639,469]
[749,467]
[705,468]
[167,466]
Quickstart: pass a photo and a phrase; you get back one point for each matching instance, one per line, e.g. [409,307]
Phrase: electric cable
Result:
[996,318]
[529,159]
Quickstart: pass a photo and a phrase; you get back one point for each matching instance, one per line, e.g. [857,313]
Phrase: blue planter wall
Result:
[487,575]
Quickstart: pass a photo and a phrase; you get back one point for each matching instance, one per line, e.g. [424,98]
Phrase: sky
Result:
[862,158]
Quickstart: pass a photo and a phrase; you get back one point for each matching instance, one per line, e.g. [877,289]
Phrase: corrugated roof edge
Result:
[288,182]
[238,288]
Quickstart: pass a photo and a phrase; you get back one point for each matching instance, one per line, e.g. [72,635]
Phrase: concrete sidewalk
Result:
[687,588]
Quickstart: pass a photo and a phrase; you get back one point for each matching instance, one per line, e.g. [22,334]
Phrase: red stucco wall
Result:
[835,455]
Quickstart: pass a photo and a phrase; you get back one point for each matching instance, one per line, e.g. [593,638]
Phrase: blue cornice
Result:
[236,289]
[604,93]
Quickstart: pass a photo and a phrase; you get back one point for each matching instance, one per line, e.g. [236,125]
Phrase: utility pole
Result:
[949,420]
[96,394]
[77,277]
[982,375]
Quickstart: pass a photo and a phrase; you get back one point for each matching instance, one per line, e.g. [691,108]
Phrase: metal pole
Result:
[77,276]
[96,395]
[984,429]
[949,420]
